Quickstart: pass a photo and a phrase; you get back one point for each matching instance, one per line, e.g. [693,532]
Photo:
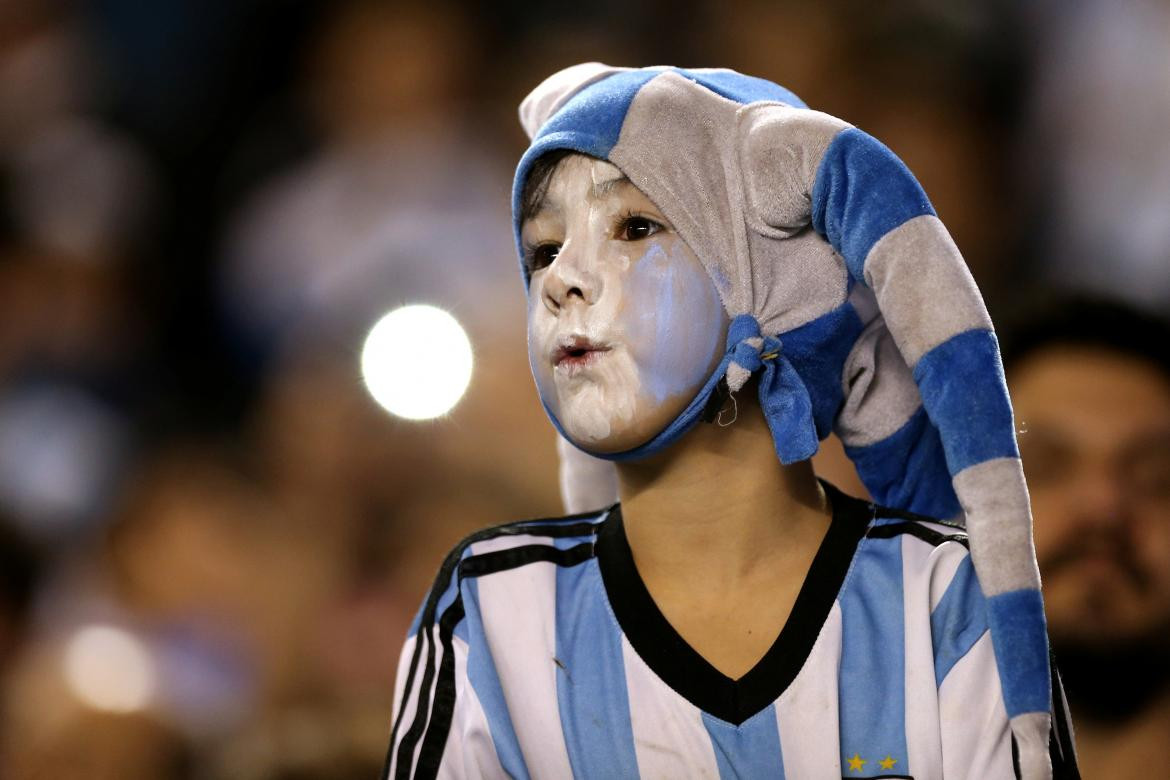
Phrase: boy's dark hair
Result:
[1081,319]
[536,185]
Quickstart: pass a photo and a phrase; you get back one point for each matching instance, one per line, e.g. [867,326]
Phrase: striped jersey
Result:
[540,653]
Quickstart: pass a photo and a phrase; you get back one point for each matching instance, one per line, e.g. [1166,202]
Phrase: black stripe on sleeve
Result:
[410,738]
[407,687]
[502,560]
[431,753]
[475,566]
[427,620]
[915,529]
[891,513]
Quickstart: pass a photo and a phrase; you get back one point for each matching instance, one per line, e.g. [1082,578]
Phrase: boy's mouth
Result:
[577,352]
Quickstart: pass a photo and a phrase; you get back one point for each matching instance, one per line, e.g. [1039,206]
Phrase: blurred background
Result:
[212,538]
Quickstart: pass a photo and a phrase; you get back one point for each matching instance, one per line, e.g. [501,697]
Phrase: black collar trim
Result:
[687,672]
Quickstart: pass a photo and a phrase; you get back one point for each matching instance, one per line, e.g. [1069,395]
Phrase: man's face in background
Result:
[1095,444]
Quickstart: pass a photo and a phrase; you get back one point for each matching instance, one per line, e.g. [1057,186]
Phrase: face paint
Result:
[624,323]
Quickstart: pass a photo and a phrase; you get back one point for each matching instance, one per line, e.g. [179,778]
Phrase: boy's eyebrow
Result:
[602,188]
[542,206]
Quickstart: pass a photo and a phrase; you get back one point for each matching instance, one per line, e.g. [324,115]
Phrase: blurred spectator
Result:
[229,581]
[77,187]
[43,69]
[1090,383]
[75,197]
[80,190]
[62,452]
[1096,159]
[405,202]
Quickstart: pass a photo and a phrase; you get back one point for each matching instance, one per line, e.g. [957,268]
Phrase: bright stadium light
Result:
[416,362]
[109,669]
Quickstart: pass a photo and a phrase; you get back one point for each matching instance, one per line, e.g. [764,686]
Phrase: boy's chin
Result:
[597,441]
[595,429]
[602,421]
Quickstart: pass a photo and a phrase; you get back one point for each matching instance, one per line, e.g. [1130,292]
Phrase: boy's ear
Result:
[555,91]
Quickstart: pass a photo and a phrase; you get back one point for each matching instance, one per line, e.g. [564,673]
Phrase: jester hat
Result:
[848,299]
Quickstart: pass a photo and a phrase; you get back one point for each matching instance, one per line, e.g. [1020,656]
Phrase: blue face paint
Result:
[685,314]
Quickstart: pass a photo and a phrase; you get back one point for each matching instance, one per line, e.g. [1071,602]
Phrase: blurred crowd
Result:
[212,540]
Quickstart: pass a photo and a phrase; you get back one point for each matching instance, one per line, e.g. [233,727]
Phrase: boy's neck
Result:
[719,504]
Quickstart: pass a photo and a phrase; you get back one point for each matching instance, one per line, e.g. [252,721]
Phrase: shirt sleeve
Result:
[439,728]
[418,717]
[976,736]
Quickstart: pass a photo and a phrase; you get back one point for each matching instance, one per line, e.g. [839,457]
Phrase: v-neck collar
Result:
[681,667]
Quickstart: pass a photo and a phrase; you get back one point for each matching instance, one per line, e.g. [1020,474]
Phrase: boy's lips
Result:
[577,352]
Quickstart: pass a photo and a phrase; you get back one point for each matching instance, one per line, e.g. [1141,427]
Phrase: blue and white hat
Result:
[847,297]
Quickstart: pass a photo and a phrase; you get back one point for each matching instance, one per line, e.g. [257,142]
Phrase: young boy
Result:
[699,246]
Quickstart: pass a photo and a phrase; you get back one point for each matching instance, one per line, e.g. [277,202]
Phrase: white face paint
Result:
[624,323]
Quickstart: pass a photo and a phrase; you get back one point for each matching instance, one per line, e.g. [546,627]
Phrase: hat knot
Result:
[783,395]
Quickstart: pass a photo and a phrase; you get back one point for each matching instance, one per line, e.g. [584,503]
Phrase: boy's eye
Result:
[637,228]
[543,256]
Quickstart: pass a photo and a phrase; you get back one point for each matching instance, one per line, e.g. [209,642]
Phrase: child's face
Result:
[624,324]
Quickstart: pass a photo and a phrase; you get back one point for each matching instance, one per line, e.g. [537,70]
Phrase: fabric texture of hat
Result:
[847,298]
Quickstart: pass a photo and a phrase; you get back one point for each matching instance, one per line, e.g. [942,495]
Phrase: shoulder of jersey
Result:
[565,540]
[888,523]
[555,531]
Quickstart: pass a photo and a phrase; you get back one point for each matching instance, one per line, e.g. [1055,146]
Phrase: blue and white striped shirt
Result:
[540,653]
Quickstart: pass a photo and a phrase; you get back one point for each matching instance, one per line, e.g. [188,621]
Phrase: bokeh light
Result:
[109,669]
[416,362]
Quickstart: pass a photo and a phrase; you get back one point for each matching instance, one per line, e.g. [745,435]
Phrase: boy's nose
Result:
[567,280]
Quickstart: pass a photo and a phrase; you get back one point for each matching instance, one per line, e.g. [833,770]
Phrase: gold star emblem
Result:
[856,763]
[887,762]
